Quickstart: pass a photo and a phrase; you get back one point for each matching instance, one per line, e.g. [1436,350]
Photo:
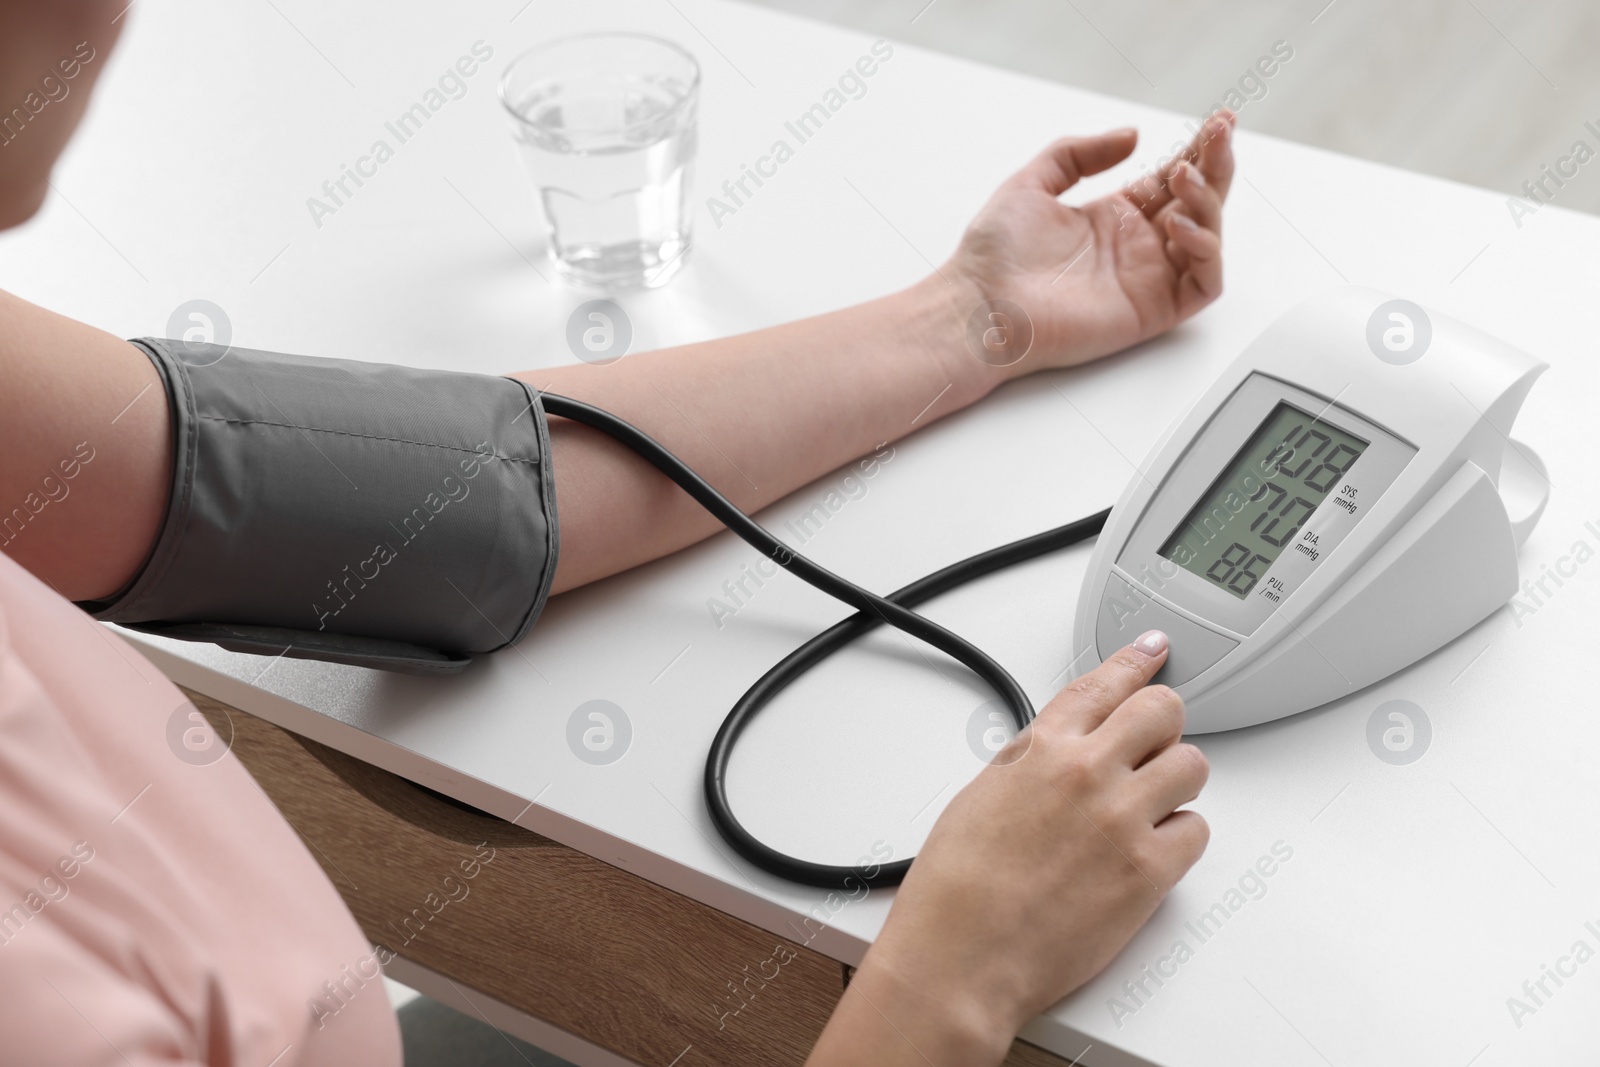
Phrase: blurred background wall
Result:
[1486,92]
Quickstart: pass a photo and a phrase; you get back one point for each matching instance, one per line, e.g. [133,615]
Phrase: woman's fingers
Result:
[1089,700]
[1196,197]
[1181,840]
[1144,724]
[1176,256]
[1200,280]
[1211,149]
[1215,158]
[1172,779]
[1064,163]
[1193,225]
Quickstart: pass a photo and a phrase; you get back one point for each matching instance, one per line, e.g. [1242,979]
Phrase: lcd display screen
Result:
[1265,494]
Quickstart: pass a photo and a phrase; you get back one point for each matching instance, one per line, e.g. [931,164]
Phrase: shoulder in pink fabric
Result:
[154,906]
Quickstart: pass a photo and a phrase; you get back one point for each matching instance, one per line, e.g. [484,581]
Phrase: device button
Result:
[1126,611]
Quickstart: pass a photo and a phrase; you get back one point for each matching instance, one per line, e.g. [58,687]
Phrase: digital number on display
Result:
[1265,495]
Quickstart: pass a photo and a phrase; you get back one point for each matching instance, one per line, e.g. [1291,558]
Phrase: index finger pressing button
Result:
[1127,611]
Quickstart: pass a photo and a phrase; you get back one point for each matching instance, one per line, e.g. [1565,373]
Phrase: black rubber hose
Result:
[824,645]
[872,611]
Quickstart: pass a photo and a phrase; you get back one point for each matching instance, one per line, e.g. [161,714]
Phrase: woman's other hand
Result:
[1096,278]
[1035,876]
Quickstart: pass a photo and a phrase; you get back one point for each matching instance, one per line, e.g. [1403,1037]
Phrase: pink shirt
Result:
[154,906]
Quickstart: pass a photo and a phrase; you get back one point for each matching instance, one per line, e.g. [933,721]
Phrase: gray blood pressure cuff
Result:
[341,510]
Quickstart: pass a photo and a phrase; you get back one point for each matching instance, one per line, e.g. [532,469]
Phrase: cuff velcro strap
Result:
[349,511]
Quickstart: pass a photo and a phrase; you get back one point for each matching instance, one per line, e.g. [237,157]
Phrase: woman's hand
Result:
[1097,278]
[1035,876]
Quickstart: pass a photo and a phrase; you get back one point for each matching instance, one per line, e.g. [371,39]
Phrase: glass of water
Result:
[605,123]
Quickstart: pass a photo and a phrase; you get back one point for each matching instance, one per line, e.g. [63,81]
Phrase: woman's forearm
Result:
[757,415]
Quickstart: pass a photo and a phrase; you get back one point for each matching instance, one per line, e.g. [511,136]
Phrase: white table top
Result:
[1418,898]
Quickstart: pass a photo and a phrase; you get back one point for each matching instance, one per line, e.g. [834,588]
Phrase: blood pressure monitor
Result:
[1327,513]
[1341,502]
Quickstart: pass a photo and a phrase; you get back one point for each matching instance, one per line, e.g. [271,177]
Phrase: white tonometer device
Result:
[1344,500]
